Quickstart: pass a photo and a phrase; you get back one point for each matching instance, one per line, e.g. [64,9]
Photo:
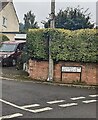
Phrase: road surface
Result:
[38,100]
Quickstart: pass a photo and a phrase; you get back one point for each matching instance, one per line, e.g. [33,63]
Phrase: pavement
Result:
[13,73]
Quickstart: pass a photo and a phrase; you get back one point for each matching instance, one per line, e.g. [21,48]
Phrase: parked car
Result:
[10,51]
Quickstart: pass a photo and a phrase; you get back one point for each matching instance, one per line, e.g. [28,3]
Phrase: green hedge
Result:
[79,45]
[36,44]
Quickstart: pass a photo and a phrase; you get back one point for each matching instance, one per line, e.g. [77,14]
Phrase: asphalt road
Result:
[38,100]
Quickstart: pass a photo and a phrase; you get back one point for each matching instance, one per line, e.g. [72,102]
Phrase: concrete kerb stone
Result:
[52,83]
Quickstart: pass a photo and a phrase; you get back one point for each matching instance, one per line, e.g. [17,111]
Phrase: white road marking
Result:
[68,104]
[93,95]
[56,101]
[41,110]
[21,108]
[11,104]
[29,106]
[11,116]
[77,98]
[89,101]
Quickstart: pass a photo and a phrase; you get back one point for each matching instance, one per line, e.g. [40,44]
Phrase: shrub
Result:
[80,45]
[37,44]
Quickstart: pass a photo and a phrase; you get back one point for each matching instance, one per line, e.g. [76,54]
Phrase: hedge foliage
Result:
[80,45]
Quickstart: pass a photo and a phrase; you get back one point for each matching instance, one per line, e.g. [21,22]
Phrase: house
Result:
[9,23]
[20,36]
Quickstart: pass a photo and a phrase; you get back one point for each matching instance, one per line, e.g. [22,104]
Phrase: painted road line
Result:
[16,106]
[21,108]
[41,110]
[68,105]
[11,116]
[89,101]
[11,104]
[56,101]
[29,106]
[93,95]
[77,98]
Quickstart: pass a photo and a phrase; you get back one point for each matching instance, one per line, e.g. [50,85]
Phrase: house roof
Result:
[2,5]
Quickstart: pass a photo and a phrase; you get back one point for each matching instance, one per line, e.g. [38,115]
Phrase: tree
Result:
[72,19]
[21,27]
[29,21]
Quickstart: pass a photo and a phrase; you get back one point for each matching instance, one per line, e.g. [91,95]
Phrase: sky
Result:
[42,8]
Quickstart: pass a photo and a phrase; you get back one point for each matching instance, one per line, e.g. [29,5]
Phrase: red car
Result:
[10,51]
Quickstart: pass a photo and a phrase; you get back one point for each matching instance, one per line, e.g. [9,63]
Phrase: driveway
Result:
[12,73]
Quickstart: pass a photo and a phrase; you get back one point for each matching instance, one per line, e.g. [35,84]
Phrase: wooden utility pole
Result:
[52,25]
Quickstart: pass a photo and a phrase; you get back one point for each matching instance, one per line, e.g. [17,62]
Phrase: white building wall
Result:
[12,24]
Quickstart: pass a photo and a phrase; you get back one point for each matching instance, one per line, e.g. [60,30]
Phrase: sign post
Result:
[71,69]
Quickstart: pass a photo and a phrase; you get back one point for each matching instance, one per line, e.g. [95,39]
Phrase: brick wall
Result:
[39,70]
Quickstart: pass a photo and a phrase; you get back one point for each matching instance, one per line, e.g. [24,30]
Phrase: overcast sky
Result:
[41,8]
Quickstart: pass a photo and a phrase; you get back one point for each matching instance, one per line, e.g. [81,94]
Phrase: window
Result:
[4,22]
[7,47]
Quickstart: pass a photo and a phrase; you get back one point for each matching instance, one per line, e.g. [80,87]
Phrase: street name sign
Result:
[74,69]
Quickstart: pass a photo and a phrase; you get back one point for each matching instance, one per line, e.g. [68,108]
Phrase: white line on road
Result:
[93,95]
[56,101]
[77,98]
[41,110]
[89,101]
[21,108]
[68,105]
[11,116]
[29,106]
[11,104]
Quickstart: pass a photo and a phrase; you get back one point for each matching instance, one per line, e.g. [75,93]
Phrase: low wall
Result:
[39,70]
